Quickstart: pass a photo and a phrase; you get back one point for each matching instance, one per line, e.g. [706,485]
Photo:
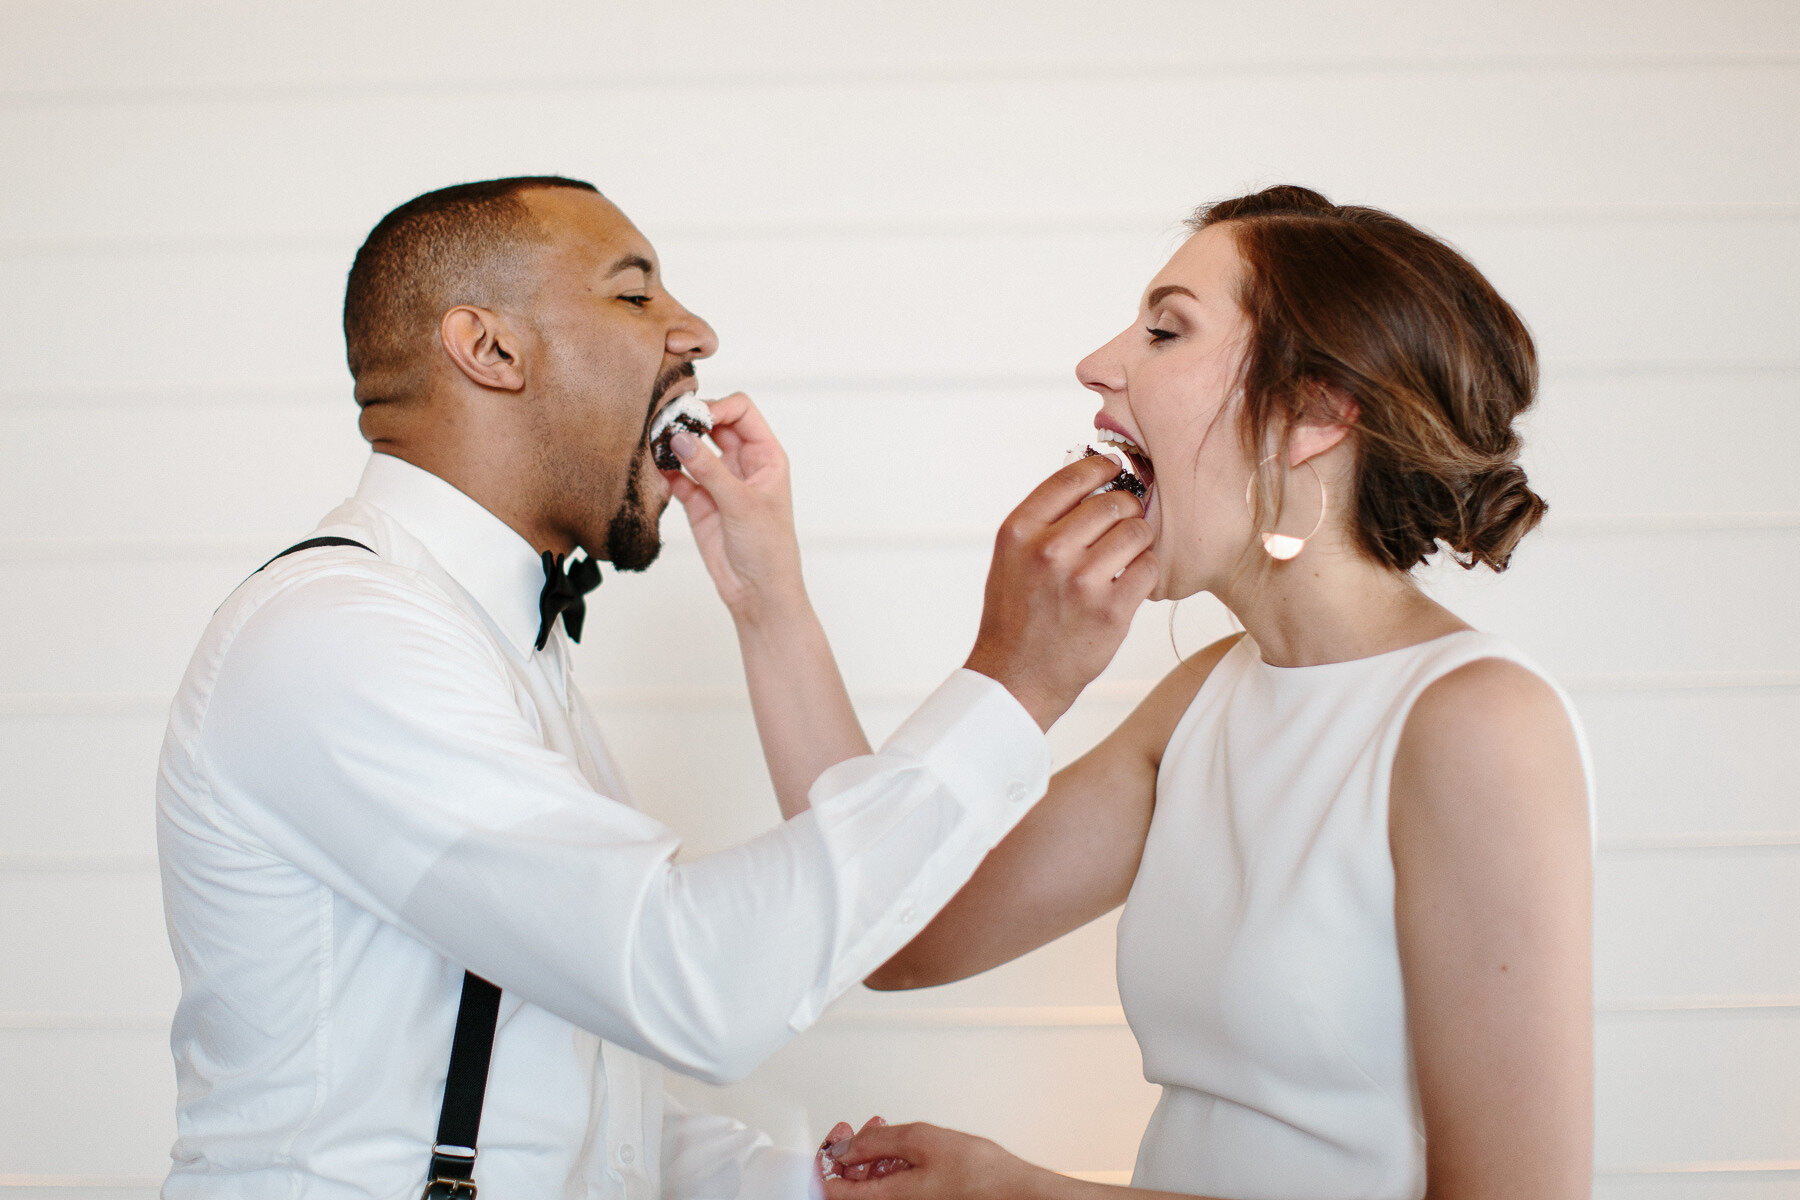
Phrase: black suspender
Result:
[453,1157]
[459,1122]
[315,543]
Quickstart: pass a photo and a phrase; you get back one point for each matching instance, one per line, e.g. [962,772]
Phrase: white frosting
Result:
[689,406]
[1110,450]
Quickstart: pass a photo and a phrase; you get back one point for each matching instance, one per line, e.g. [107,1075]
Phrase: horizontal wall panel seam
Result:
[1786,1166]
[81,704]
[1674,845]
[118,1182]
[1779,1167]
[1048,1016]
[171,548]
[321,392]
[1072,71]
[1502,215]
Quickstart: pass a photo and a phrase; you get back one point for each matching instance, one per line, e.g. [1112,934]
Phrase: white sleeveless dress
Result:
[1257,957]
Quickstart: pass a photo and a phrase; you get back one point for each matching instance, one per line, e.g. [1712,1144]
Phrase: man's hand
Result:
[1069,571]
[741,510]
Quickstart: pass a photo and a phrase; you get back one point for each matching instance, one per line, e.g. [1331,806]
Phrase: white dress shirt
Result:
[371,781]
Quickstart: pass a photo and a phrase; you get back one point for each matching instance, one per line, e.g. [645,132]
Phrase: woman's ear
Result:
[483,347]
[1329,420]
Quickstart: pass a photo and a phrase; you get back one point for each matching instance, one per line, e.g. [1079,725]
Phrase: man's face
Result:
[612,348]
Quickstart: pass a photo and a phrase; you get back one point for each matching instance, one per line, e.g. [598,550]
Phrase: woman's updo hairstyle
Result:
[1359,301]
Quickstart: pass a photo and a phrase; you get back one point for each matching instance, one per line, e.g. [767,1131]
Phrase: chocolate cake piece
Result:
[1128,480]
[689,413]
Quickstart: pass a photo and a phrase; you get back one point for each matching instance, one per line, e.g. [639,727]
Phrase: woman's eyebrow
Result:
[1166,290]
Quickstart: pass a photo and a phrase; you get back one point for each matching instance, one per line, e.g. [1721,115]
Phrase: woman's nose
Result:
[1102,371]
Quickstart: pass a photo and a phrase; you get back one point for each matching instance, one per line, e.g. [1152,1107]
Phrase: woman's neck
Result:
[1332,604]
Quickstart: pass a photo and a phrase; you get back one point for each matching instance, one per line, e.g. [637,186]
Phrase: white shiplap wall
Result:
[908,221]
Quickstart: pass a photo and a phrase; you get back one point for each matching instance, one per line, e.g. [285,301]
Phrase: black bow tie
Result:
[563,595]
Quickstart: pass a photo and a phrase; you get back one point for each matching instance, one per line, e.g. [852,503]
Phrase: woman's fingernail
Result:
[836,1149]
[684,444]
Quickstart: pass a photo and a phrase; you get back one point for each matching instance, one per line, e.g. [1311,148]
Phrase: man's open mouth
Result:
[688,413]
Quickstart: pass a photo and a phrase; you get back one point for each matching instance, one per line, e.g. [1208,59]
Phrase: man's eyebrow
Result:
[1166,290]
[632,262]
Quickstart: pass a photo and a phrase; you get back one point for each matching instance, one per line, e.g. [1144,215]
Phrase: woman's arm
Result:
[1492,859]
[1070,860]
[742,513]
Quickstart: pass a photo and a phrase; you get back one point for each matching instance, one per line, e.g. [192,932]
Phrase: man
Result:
[379,772]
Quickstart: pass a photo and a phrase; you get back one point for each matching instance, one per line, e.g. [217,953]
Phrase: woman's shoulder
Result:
[1475,684]
[1490,715]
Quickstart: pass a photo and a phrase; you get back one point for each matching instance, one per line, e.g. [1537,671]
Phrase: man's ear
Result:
[1333,415]
[483,347]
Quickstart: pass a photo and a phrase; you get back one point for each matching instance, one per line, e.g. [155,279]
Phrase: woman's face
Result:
[1169,384]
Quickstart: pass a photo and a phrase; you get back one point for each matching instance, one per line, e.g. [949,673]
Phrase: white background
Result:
[908,221]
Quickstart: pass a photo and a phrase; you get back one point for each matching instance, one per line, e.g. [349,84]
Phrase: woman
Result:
[1353,843]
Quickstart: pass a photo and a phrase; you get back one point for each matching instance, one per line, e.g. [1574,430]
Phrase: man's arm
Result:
[371,738]
[710,1157]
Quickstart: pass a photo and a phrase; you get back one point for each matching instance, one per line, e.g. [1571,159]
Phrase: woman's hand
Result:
[941,1164]
[743,519]
[835,1143]
[741,510]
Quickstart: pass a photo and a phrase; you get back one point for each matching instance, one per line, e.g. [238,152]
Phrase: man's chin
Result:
[633,541]
[634,536]
[638,559]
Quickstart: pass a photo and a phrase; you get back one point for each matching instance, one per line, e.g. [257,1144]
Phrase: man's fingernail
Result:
[684,444]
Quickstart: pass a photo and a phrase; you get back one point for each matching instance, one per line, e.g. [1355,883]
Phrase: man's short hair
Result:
[457,245]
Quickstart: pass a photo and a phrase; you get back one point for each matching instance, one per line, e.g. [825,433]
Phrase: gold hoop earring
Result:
[1280,546]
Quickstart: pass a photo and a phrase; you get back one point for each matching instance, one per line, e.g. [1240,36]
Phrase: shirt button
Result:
[905,912]
[1016,792]
[627,1154]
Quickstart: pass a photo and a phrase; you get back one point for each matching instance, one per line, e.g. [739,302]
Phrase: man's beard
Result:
[633,539]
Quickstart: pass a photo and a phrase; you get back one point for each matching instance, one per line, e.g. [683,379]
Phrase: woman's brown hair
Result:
[1354,301]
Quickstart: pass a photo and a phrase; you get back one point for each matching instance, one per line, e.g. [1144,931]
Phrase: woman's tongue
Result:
[1141,464]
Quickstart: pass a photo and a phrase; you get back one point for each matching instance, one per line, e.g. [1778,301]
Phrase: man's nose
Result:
[690,337]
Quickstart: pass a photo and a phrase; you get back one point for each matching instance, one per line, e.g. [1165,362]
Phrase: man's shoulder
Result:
[343,608]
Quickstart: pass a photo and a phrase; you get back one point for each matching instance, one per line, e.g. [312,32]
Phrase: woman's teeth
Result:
[1140,461]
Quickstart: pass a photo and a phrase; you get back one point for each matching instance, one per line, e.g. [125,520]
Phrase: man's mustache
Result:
[668,379]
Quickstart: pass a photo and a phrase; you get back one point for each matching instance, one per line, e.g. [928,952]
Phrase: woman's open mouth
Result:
[1140,462]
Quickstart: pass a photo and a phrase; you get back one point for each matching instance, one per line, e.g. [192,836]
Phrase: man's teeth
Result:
[689,406]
